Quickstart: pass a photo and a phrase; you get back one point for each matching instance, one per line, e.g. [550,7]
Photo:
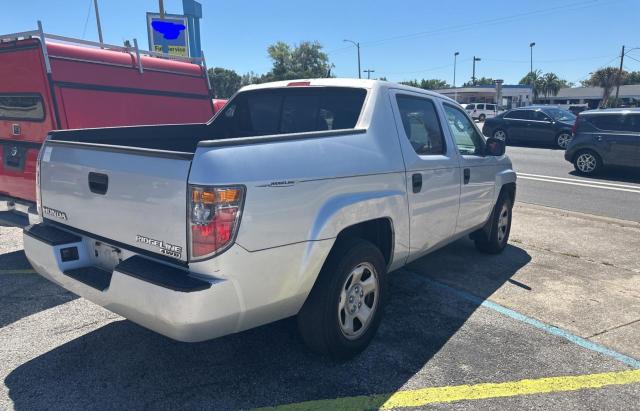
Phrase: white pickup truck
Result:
[298,198]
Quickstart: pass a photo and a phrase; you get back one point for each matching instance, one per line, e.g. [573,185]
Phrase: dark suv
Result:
[532,124]
[605,137]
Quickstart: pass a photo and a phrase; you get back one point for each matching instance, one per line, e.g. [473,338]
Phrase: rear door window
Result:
[421,124]
[608,122]
[21,107]
[480,107]
[491,107]
[289,110]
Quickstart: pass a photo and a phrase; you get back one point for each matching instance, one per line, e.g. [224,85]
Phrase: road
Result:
[545,178]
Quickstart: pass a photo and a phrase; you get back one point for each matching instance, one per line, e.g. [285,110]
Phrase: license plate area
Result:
[106,256]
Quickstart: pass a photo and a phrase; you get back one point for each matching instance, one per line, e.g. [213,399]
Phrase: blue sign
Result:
[169,35]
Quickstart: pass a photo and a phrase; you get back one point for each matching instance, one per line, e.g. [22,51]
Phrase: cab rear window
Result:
[290,110]
[21,107]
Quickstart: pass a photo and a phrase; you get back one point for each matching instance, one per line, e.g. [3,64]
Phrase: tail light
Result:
[214,217]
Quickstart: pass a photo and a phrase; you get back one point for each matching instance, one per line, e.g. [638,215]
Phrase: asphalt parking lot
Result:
[553,322]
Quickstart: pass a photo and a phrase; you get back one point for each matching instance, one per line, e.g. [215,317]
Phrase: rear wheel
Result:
[344,309]
[563,139]
[494,239]
[587,162]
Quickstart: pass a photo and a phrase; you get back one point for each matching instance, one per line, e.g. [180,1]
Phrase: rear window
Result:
[290,110]
[21,107]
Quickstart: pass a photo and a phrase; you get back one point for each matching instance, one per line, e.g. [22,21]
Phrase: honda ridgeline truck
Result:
[296,199]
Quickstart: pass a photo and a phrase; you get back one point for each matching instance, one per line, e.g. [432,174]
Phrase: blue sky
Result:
[400,40]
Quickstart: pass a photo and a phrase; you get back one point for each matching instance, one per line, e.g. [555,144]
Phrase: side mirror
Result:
[494,147]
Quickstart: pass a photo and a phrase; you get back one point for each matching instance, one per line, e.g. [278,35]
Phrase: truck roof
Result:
[344,82]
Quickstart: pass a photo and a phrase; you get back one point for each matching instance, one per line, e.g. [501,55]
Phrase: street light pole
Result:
[357,44]
[473,76]
[531,50]
[455,92]
[369,71]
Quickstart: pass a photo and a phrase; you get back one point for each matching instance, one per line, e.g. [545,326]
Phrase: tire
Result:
[494,239]
[500,134]
[482,117]
[563,139]
[587,162]
[325,320]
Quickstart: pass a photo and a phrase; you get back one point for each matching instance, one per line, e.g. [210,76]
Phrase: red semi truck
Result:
[49,82]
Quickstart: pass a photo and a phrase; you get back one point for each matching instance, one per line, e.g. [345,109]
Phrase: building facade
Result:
[513,95]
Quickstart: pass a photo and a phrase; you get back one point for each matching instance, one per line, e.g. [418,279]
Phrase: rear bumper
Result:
[163,298]
[25,210]
[233,292]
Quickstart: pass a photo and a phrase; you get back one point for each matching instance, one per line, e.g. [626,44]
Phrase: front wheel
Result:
[344,309]
[493,239]
[563,139]
[482,117]
[500,135]
[587,162]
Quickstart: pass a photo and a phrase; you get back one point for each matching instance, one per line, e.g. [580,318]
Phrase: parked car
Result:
[532,124]
[481,111]
[48,83]
[296,199]
[603,138]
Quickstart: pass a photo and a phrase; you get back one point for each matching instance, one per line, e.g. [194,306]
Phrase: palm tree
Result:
[533,79]
[551,84]
[607,78]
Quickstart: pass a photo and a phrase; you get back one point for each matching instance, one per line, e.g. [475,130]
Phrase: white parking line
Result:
[581,183]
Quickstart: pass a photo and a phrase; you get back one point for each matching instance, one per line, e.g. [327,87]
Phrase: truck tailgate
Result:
[136,197]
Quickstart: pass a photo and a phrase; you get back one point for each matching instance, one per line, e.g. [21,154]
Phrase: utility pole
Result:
[357,44]
[95,6]
[473,76]
[161,7]
[619,75]
[369,73]
[455,56]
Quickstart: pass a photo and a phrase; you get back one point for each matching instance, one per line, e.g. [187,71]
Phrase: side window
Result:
[470,107]
[491,107]
[421,124]
[518,114]
[466,136]
[480,106]
[612,122]
[540,116]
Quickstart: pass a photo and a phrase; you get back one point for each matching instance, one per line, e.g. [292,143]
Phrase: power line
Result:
[466,26]
[86,20]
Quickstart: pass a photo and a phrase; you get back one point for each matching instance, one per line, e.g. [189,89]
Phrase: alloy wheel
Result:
[586,162]
[358,300]
[564,139]
[503,222]
[500,135]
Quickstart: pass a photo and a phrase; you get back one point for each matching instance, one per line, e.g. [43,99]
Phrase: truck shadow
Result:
[23,292]
[122,365]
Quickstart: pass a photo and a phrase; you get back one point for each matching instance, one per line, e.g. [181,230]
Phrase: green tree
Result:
[427,84]
[548,84]
[224,82]
[607,78]
[533,79]
[306,60]
[632,77]
[482,81]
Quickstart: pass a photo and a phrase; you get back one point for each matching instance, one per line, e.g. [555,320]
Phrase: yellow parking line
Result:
[25,271]
[425,396]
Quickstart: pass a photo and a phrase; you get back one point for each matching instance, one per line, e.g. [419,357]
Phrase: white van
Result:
[481,111]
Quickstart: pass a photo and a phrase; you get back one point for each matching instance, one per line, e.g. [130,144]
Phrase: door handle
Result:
[467,175]
[416,182]
[98,183]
